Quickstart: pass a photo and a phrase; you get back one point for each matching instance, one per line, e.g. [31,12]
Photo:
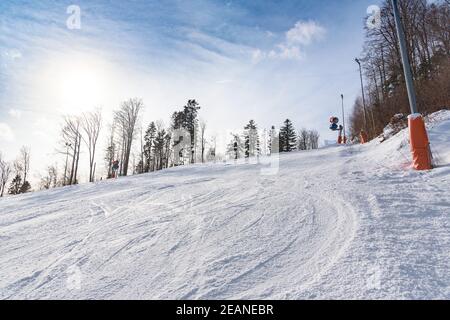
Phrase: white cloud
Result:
[6,132]
[15,113]
[283,51]
[305,32]
[301,35]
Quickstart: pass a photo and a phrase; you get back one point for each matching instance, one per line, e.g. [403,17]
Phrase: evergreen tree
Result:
[191,112]
[187,119]
[26,187]
[15,185]
[109,159]
[159,148]
[178,120]
[251,138]
[235,147]
[270,142]
[167,149]
[288,137]
[264,143]
[149,139]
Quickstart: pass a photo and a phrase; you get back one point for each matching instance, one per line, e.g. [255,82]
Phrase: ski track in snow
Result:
[341,222]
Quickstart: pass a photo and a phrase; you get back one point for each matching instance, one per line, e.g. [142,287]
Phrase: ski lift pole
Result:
[343,119]
[405,59]
[362,93]
[363,134]
[420,146]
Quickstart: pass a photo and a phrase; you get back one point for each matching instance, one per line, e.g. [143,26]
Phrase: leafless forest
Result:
[427,31]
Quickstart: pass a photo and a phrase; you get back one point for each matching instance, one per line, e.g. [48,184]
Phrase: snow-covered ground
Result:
[340,222]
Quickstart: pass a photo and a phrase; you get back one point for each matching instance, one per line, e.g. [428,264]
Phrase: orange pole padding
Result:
[363,137]
[420,145]
[342,140]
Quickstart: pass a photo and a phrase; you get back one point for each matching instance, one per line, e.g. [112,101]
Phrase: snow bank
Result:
[439,130]
[393,146]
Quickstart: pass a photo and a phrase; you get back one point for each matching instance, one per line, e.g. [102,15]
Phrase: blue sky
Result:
[262,60]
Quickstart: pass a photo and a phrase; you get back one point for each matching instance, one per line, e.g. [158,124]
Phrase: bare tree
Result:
[5,172]
[71,140]
[126,119]
[211,156]
[303,139]
[202,139]
[314,139]
[50,180]
[18,168]
[25,160]
[91,124]
[427,34]
[308,139]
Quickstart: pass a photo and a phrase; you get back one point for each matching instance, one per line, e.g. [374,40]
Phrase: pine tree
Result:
[15,185]
[109,159]
[270,142]
[251,138]
[191,112]
[26,187]
[187,119]
[264,143]
[167,149]
[149,139]
[235,147]
[159,147]
[288,138]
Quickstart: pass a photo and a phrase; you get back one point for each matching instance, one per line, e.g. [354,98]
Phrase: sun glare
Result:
[74,85]
[80,87]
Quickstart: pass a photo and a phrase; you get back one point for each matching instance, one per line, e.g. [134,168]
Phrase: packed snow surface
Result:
[340,222]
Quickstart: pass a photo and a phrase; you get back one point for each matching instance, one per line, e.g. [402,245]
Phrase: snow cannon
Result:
[334,123]
[335,127]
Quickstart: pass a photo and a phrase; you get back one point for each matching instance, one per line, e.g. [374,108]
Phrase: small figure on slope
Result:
[115,169]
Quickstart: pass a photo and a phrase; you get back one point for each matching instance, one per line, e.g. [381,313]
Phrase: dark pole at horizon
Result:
[363,95]
[343,116]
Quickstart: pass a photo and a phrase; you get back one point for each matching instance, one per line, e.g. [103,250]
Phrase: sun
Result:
[75,83]
[81,87]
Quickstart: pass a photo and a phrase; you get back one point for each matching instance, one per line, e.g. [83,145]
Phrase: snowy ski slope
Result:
[340,222]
